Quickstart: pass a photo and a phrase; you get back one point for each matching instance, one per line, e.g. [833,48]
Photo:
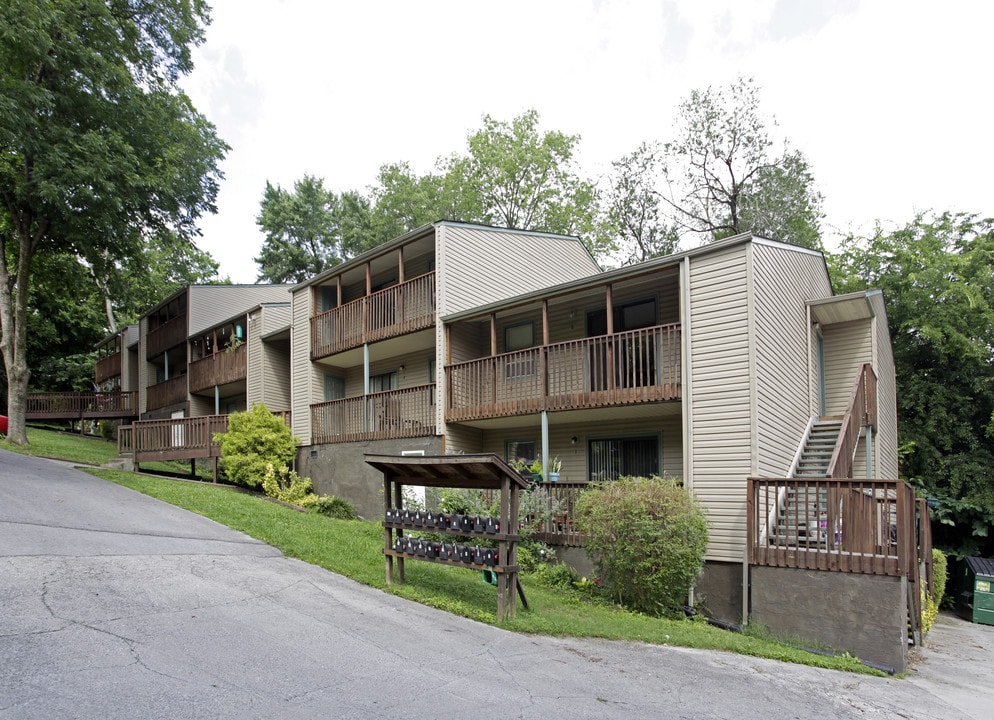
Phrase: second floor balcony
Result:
[107,367]
[167,335]
[221,368]
[403,308]
[168,392]
[638,366]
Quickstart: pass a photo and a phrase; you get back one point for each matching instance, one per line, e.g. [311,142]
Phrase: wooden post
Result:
[387,532]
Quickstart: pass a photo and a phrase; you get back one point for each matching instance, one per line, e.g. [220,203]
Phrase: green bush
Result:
[331,505]
[647,538]
[284,484]
[255,438]
[940,575]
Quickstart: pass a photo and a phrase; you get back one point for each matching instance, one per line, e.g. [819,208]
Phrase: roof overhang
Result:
[478,472]
[843,308]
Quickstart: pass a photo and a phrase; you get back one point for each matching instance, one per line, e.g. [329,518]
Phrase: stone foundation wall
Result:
[864,615]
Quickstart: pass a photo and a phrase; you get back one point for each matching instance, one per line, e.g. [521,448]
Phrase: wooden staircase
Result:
[817,452]
[802,511]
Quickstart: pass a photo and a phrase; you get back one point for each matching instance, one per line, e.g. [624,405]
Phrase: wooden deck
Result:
[407,412]
[639,366]
[81,405]
[226,366]
[173,439]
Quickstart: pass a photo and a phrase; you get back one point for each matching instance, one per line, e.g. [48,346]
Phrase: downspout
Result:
[545,444]
[869,451]
[217,400]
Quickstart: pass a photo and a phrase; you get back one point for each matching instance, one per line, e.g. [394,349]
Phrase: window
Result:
[334,387]
[431,370]
[519,337]
[383,381]
[610,458]
[520,450]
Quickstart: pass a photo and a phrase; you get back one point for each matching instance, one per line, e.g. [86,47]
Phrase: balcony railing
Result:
[175,438]
[400,309]
[409,412]
[637,366]
[107,368]
[77,405]
[859,526]
[167,335]
[220,368]
[169,392]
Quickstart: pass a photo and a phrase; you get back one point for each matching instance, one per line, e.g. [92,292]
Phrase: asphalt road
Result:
[115,605]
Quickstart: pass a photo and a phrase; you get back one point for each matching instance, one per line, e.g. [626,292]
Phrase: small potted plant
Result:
[555,465]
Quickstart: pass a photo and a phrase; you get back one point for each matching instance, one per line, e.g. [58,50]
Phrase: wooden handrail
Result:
[860,413]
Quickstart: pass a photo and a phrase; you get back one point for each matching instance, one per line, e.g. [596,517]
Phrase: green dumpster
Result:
[975,601]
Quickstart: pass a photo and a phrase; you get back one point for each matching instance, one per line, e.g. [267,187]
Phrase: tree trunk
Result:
[14,339]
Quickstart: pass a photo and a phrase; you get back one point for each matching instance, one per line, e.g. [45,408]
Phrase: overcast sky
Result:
[889,99]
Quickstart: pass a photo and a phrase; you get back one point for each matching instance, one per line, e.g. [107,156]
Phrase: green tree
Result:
[309,229]
[99,148]
[634,207]
[512,174]
[725,178]
[936,274]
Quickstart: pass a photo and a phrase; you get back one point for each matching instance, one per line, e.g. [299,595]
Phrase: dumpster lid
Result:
[981,566]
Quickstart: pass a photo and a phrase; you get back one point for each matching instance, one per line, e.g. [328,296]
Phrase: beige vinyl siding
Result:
[479,265]
[415,372]
[574,456]
[268,367]
[885,445]
[721,404]
[461,439]
[847,346]
[211,305]
[201,405]
[784,279]
[306,380]
[469,341]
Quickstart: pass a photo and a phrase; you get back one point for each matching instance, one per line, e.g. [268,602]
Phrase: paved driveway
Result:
[115,605]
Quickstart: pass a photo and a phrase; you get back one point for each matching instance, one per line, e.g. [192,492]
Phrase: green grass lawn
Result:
[353,548]
[69,446]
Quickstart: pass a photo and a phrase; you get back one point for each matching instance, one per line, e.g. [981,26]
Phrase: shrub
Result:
[940,574]
[555,575]
[332,506]
[647,538]
[284,484]
[255,438]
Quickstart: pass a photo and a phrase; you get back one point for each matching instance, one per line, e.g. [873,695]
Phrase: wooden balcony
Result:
[169,392]
[403,308]
[221,368]
[107,368]
[80,405]
[639,366]
[168,335]
[408,412]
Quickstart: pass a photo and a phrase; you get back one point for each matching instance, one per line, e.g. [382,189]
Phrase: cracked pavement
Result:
[116,605]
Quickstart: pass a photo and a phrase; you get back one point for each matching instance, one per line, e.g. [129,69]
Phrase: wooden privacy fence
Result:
[624,368]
